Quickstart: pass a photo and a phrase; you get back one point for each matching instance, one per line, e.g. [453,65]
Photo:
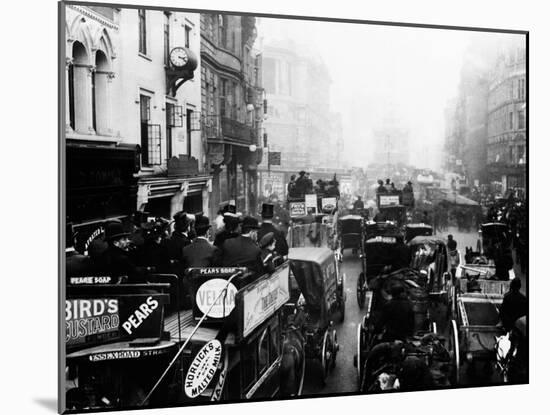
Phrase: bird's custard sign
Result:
[87,319]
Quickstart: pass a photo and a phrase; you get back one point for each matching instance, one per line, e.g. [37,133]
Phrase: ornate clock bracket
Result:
[176,77]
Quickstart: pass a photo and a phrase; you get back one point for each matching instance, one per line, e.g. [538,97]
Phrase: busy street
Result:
[239,228]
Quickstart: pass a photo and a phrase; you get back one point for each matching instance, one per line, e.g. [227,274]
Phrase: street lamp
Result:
[252,148]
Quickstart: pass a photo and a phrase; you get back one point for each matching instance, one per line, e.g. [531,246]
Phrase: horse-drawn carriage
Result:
[319,297]
[351,230]
[412,230]
[474,302]
[417,360]
[231,345]
[429,255]
[383,247]
[390,208]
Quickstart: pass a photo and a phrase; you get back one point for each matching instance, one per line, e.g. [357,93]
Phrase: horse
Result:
[293,360]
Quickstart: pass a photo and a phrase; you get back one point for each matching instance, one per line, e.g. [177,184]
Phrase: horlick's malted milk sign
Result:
[203,368]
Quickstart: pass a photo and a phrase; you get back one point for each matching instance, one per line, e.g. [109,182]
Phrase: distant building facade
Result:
[232,107]
[485,138]
[299,122]
[507,140]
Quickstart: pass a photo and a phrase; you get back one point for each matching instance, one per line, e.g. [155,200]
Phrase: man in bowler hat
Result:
[243,251]
[115,261]
[180,236]
[267,226]
[201,252]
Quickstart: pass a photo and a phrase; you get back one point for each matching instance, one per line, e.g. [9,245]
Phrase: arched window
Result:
[100,94]
[78,72]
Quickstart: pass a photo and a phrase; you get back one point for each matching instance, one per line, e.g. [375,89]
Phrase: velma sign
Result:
[203,368]
[208,295]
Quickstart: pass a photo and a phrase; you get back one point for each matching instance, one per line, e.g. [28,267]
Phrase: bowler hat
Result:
[230,217]
[267,239]
[249,223]
[202,222]
[114,230]
[181,217]
[267,210]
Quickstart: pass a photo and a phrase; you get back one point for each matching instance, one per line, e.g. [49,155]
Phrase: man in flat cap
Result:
[267,245]
[267,226]
[201,252]
[242,250]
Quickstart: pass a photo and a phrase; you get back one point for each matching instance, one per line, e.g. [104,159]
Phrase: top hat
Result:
[267,210]
[115,230]
[250,223]
[266,240]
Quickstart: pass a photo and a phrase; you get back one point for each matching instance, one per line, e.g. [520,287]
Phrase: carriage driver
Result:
[396,321]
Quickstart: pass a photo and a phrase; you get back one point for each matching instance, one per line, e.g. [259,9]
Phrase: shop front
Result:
[234,177]
[100,185]
[183,187]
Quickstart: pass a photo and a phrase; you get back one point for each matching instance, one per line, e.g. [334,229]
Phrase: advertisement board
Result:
[297,209]
[388,200]
[263,298]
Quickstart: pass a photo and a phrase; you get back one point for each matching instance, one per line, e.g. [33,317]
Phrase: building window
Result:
[142,31]
[521,119]
[189,128]
[511,120]
[223,31]
[187,36]
[71,96]
[511,154]
[94,102]
[150,134]
[173,119]
[521,89]
[166,38]
[223,92]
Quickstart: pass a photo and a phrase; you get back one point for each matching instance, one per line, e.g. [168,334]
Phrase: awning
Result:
[169,186]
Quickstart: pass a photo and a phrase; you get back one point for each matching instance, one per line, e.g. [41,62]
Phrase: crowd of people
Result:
[131,250]
[389,188]
[302,185]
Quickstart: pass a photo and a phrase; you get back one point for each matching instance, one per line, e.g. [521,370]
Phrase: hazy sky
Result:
[411,71]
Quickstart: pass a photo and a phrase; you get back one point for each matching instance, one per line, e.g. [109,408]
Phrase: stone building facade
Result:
[131,142]
[507,139]
[232,105]
[300,124]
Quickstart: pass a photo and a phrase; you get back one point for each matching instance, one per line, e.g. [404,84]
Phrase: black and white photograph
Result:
[262,207]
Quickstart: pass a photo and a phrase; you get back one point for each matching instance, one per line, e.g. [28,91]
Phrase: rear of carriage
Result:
[351,233]
[322,299]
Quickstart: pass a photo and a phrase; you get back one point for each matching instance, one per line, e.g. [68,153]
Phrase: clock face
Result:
[178,57]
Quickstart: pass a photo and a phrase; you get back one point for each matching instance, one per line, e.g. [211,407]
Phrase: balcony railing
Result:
[220,128]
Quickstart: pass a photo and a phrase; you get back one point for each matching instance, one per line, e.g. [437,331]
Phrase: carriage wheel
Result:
[335,348]
[342,310]
[454,352]
[360,345]
[361,290]
[302,376]
[326,355]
